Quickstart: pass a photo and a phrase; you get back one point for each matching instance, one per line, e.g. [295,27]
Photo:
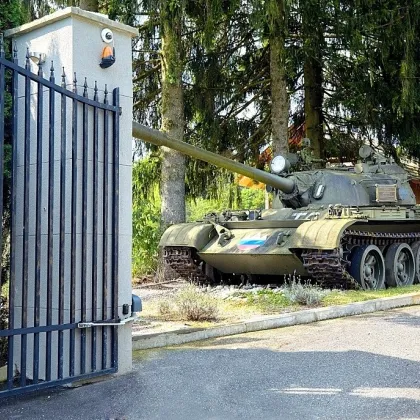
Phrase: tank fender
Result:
[195,235]
[320,234]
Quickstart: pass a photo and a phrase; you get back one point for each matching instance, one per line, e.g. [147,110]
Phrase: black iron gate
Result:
[59,183]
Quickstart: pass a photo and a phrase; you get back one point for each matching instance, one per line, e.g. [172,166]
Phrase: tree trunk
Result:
[89,5]
[279,96]
[313,106]
[173,163]
[313,41]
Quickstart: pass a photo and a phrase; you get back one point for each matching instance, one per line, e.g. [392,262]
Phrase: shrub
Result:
[194,305]
[189,304]
[146,216]
[146,235]
[304,293]
[166,309]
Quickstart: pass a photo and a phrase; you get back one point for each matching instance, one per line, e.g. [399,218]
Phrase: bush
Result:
[304,294]
[146,235]
[166,308]
[146,216]
[190,304]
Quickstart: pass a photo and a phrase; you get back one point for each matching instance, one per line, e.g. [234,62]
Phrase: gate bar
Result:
[51,163]
[73,227]
[116,215]
[12,280]
[38,251]
[95,227]
[83,279]
[105,233]
[1,143]
[25,264]
[62,225]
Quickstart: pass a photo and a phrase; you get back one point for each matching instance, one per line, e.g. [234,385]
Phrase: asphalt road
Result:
[364,367]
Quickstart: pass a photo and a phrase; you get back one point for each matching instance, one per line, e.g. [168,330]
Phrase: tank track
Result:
[327,268]
[186,263]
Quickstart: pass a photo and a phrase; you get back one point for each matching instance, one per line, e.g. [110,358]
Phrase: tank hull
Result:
[254,251]
[321,249]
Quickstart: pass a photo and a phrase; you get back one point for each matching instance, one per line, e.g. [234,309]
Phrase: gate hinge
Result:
[106,324]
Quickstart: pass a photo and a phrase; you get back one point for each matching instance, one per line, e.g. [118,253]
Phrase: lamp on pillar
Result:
[108,52]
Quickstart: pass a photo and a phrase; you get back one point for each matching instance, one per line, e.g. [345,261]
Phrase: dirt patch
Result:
[151,320]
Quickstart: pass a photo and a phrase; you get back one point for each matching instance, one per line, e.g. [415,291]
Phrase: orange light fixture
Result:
[108,57]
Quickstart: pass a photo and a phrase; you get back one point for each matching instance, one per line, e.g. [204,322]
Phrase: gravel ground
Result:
[153,291]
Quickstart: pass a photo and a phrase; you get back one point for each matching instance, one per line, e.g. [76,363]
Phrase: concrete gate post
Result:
[71,38]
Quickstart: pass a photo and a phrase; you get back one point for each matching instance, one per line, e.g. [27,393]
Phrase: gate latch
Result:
[106,324]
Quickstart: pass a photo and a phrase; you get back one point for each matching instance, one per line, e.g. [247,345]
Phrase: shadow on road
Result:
[404,318]
[239,384]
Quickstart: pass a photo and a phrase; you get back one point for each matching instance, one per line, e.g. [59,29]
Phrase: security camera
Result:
[107,35]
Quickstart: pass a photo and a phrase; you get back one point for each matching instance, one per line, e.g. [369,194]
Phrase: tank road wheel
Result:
[400,267]
[367,267]
[415,247]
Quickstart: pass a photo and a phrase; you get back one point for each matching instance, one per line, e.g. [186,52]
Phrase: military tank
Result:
[344,226]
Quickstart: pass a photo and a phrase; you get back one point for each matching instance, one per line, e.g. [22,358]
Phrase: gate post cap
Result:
[77,13]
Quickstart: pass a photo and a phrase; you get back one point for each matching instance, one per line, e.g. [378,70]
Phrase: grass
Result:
[267,297]
[337,297]
[246,304]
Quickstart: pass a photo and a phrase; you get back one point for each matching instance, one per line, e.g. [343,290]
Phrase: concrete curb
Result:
[187,335]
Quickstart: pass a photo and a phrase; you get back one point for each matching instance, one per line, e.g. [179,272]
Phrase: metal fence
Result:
[59,183]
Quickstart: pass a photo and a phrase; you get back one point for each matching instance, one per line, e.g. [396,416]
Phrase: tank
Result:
[343,226]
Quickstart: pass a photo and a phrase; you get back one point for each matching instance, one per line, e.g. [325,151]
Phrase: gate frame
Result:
[112,111]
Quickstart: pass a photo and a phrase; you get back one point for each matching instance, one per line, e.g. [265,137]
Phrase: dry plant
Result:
[189,304]
[304,293]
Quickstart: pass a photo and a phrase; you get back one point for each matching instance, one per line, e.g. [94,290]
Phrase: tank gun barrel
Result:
[158,138]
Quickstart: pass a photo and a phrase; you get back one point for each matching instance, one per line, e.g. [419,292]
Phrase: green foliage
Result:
[268,300]
[146,216]
[252,199]
[146,235]
[199,207]
[247,199]
[12,14]
[342,297]
[373,69]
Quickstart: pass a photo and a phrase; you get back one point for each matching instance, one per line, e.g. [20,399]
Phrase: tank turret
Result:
[374,181]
